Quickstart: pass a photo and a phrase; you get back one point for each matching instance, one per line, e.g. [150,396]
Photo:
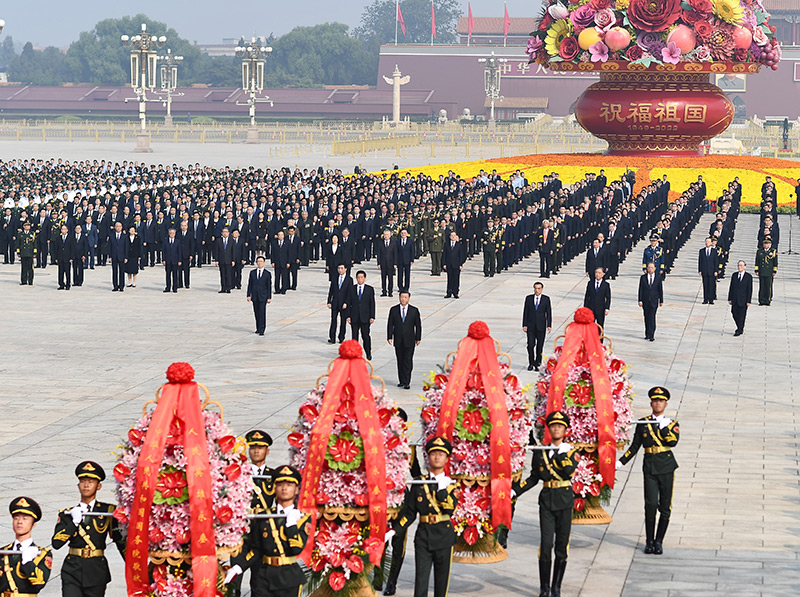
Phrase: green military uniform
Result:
[766,268]
[272,546]
[489,249]
[435,536]
[85,570]
[18,578]
[657,438]
[555,469]
[436,246]
[26,249]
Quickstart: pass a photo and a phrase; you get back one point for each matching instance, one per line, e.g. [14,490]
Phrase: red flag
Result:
[506,22]
[400,19]
[470,21]
[433,21]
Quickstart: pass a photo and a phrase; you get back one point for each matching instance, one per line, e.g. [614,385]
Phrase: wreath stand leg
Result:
[592,513]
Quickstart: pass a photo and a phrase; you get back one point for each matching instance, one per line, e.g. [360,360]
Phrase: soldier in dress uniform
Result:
[25,574]
[258,443]
[272,545]
[26,249]
[436,246]
[85,571]
[555,469]
[658,438]
[435,536]
[654,254]
[489,249]
[766,268]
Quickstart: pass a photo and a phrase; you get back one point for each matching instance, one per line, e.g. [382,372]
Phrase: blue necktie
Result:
[359,294]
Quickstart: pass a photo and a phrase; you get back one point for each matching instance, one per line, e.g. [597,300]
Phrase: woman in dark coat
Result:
[134,254]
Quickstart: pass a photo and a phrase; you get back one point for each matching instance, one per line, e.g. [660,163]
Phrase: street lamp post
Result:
[169,82]
[491,82]
[143,76]
[253,57]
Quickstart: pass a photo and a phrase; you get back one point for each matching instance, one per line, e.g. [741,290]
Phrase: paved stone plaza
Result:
[78,366]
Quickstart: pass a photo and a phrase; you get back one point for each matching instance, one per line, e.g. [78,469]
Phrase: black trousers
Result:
[554,524]
[544,264]
[403,277]
[292,276]
[237,274]
[260,311]
[709,288]
[118,274]
[453,281]
[362,328]
[739,315]
[171,274]
[337,314]
[71,587]
[149,254]
[424,560]
[64,274]
[600,317]
[387,279]
[258,591]
[41,253]
[405,362]
[657,498]
[281,279]
[26,274]
[649,320]
[77,271]
[535,346]
[225,276]
[488,263]
[764,290]
[398,555]
[183,273]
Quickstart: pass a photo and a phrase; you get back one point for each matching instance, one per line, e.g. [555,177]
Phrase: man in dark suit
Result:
[386,254]
[596,258]
[651,297]
[280,261]
[43,230]
[362,311]
[259,292]
[453,258]
[546,246]
[79,259]
[149,235]
[293,257]
[613,247]
[187,254]
[199,236]
[239,259]
[224,252]
[707,268]
[404,332]
[104,229]
[740,295]
[64,252]
[90,229]
[598,296]
[338,295]
[537,319]
[171,255]
[118,252]
[405,258]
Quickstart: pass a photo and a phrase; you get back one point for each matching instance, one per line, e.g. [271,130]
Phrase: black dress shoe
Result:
[530,367]
[658,549]
[221,292]
[400,385]
[383,294]
[226,292]
[447,296]
[652,339]
[260,333]
[737,333]
[331,341]
[705,302]
[391,588]
[175,291]
[648,549]
[166,290]
[455,296]
[536,367]
[407,387]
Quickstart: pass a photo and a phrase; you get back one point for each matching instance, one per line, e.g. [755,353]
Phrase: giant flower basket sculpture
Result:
[479,406]
[588,382]
[353,450]
[183,489]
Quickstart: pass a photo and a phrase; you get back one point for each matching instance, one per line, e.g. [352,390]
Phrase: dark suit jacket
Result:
[739,293]
[592,262]
[187,244]
[171,253]
[280,254]
[149,232]
[453,258]
[332,260]
[708,265]
[260,290]
[348,250]
[339,296]
[597,300]
[404,333]
[537,319]
[387,256]
[64,249]
[224,254]
[117,249]
[651,294]
[81,246]
[238,250]
[405,255]
[364,310]
[293,249]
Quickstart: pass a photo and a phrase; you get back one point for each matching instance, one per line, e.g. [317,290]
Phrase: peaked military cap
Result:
[767,239]
[25,505]
[288,474]
[658,393]
[557,418]
[402,414]
[653,237]
[90,469]
[256,437]
[440,444]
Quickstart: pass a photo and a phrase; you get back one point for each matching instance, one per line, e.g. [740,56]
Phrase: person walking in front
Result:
[598,296]
[118,252]
[259,292]
[453,258]
[171,256]
[404,332]
[740,295]
[362,311]
[537,320]
[338,295]
[134,256]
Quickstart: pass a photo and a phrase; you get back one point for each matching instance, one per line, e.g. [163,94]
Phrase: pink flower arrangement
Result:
[599,52]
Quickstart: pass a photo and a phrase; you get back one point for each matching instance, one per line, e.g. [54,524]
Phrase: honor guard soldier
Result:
[489,245]
[554,468]
[273,544]
[436,246]
[654,254]
[766,268]
[85,570]
[658,438]
[26,249]
[26,573]
[435,536]
[258,443]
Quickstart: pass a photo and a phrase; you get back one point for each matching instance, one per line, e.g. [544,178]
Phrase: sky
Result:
[201,21]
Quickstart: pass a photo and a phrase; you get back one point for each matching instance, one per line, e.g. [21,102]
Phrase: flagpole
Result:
[432,23]
[469,18]
[396,20]
[505,16]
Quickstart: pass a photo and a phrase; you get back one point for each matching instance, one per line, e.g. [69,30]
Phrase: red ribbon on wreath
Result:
[349,381]
[582,334]
[180,401]
[479,345]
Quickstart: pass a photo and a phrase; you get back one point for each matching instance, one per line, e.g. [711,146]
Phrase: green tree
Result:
[38,67]
[378,21]
[7,53]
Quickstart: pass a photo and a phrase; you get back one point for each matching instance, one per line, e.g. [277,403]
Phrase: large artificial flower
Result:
[582,17]
[729,11]
[558,11]
[622,4]
[671,54]
[759,37]
[653,15]
[534,45]
[599,52]
[557,32]
[702,54]
[634,53]
[569,48]
[720,43]
[651,43]
[605,19]
[703,29]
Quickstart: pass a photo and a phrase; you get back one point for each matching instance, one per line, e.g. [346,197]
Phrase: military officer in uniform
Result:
[554,468]
[654,254]
[436,246]
[27,573]
[273,544]
[657,438]
[258,443]
[26,249]
[85,571]
[766,268]
[489,245]
[435,536]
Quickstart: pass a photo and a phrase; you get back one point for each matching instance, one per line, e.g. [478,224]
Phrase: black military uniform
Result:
[435,536]
[489,250]
[85,570]
[18,578]
[766,268]
[26,249]
[659,466]
[554,468]
[272,546]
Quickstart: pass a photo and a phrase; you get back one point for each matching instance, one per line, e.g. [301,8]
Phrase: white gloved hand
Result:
[233,572]
[564,448]
[293,515]
[618,465]
[389,534]
[663,422]
[29,553]
[444,481]
[513,494]
[77,515]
